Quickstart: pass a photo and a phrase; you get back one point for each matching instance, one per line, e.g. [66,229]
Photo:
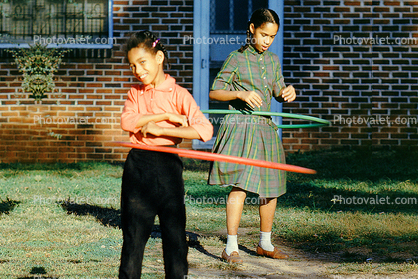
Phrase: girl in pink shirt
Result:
[157,112]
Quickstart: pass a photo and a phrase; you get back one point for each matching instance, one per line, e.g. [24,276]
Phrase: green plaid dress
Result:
[246,135]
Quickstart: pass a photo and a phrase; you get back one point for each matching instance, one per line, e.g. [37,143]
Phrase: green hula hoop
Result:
[321,122]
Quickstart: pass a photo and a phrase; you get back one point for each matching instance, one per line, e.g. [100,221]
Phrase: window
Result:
[66,23]
[232,16]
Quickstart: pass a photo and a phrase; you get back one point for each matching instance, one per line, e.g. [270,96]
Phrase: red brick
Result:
[330,79]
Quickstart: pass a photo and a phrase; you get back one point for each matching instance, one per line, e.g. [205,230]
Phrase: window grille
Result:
[75,23]
[232,16]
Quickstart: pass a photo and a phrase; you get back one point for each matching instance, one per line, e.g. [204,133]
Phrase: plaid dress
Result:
[246,135]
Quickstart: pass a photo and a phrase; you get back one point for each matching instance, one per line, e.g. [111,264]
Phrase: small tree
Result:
[38,65]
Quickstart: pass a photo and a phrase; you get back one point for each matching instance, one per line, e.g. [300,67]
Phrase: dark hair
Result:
[258,18]
[147,40]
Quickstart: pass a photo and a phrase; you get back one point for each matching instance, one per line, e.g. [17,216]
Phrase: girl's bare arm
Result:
[174,118]
[250,97]
[178,132]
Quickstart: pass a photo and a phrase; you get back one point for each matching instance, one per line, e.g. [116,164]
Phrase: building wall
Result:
[335,80]
[94,86]
[365,89]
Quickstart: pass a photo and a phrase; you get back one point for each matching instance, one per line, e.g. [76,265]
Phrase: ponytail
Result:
[247,40]
[147,40]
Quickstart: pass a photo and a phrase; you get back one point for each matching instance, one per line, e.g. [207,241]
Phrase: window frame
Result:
[81,44]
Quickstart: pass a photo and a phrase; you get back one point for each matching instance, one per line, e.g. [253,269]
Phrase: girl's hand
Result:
[251,98]
[288,94]
[151,128]
[177,118]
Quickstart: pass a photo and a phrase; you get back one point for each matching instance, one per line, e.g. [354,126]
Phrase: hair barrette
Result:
[155,43]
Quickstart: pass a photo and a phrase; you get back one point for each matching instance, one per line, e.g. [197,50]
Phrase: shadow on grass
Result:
[347,166]
[362,165]
[192,241]
[56,166]
[342,164]
[305,193]
[37,272]
[315,197]
[375,169]
[338,184]
[357,181]
[111,217]
[196,165]
[106,216]
[39,166]
[7,206]
[10,170]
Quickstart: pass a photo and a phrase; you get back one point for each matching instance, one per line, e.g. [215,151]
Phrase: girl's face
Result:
[263,36]
[146,66]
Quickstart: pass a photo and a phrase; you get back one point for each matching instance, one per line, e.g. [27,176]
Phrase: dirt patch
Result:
[207,264]
[210,264]
[205,261]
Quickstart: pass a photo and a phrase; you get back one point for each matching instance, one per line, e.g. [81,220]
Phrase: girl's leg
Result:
[234,208]
[267,210]
[138,206]
[136,228]
[172,215]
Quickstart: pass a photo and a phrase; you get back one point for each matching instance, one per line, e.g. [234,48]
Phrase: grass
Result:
[383,218]
[63,220]
[39,237]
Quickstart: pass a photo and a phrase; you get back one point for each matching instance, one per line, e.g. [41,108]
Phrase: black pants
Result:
[152,184]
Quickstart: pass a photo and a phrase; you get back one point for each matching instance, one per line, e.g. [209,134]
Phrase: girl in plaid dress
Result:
[248,79]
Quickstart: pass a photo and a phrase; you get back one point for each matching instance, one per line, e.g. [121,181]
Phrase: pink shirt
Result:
[167,97]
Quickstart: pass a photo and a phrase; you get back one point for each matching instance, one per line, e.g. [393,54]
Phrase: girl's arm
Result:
[178,132]
[250,97]
[132,120]
[174,118]
[280,92]
[199,127]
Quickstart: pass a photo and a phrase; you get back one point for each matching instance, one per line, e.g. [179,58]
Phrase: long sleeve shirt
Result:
[167,97]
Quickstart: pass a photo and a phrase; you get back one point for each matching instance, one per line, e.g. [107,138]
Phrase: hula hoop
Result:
[201,155]
[321,122]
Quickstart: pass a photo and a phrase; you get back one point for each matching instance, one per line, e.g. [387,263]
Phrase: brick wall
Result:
[94,85]
[339,79]
[333,79]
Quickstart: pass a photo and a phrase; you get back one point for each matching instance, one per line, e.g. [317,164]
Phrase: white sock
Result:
[231,244]
[265,241]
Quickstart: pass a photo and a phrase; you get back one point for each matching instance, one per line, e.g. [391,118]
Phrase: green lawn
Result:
[63,220]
